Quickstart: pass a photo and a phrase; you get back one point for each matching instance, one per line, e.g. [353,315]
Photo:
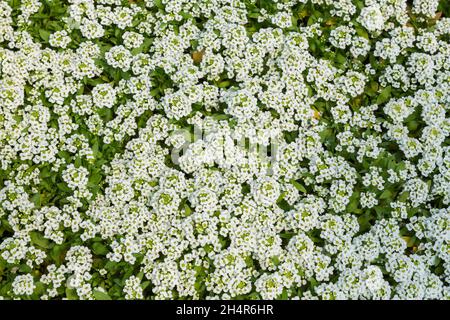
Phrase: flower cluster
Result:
[224,149]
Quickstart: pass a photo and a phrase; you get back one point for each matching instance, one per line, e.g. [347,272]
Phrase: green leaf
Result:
[386,194]
[412,125]
[57,253]
[275,260]
[99,249]
[154,92]
[145,284]
[38,239]
[362,33]
[40,288]
[65,155]
[44,34]
[187,210]
[224,84]
[436,261]
[284,295]
[384,95]
[287,235]
[352,207]
[159,4]
[36,198]
[64,187]
[403,196]
[95,178]
[281,197]
[24,268]
[100,295]
[298,186]
[71,294]
[45,173]
[78,162]
[340,59]
[411,242]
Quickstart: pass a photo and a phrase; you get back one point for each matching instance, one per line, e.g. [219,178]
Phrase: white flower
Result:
[23,285]
[372,18]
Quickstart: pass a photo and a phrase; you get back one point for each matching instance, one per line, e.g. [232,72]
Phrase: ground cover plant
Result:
[224,149]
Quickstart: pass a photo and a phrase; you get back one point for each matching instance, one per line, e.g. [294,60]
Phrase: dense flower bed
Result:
[233,149]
